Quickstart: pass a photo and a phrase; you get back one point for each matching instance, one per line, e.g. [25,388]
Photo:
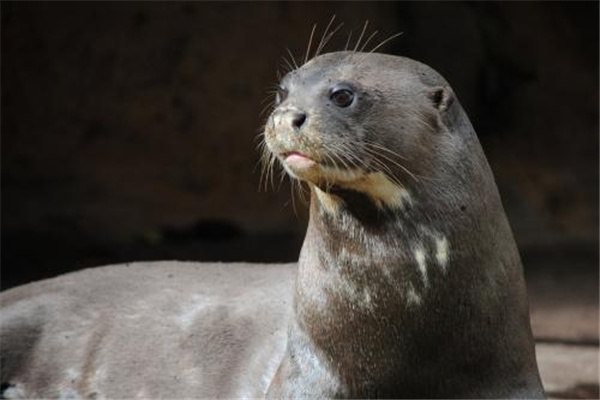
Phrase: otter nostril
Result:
[298,120]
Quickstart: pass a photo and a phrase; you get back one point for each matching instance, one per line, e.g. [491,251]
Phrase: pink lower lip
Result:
[298,159]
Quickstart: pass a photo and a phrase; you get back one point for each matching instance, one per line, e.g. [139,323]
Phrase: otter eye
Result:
[342,97]
[280,95]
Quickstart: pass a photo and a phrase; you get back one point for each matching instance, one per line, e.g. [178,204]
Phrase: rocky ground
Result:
[563,295]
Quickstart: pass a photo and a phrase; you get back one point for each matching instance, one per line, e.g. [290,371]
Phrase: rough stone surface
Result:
[563,297]
[569,372]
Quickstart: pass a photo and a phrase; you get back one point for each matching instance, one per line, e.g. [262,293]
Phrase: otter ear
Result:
[442,98]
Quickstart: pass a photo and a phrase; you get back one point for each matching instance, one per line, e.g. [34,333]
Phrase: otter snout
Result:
[289,118]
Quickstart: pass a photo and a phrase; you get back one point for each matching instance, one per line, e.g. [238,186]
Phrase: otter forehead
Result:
[381,71]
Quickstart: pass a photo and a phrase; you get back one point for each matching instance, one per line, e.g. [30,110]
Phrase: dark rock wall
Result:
[129,129]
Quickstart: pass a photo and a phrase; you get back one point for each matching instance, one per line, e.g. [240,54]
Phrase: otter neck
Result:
[361,272]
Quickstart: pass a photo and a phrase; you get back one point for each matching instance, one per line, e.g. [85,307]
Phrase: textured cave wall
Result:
[130,128]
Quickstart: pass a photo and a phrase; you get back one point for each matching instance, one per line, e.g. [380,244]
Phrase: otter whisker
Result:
[268,170]
[385,41]
[264,160]
[349,153]
[375,152]
[371,36]
[293,58]
[328,38]
[266,108]
[363,164]
[293,196]
[326,154]
[288,67]
[268,98]
[346,153]
[387,171]
[361,35]
[372,152]
[379,166]
[324,34]
[272,165]
[261,143]
[296,188]
[348,41]
[338,157]
[302,191]
[380,147]
[312,32]
[421,119]
[282,175]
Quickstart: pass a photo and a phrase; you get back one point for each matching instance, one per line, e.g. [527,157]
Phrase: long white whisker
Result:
[328,38]
[324,35]
[368,40]
[348,41]
[293,58]
[361,35]
[385,41]
[312,32]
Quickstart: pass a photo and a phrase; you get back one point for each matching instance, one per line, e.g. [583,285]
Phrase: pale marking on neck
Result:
[412,298]
[360,296]
[421,264]
[442,251]
[329,202]
[382,191]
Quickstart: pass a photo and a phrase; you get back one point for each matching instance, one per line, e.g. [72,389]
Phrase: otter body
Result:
[408,285]
[147,330]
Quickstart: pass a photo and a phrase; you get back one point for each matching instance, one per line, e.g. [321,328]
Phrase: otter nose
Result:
[298,119]
[290,118]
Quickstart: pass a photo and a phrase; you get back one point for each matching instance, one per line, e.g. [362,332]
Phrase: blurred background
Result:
[129,131]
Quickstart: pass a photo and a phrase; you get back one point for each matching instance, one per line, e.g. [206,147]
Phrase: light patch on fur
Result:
[377,186]
[421,263]
[381,190]
[442,252]
[341,176]
[412,297]
[367,300]
[14,392]
[329,202]
[346,287]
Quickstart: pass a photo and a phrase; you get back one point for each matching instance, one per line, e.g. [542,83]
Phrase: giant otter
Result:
[408,285]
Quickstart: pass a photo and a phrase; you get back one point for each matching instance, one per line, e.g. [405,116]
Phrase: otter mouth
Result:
[297,160]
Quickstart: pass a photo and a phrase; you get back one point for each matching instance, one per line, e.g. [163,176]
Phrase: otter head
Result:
[359,122]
